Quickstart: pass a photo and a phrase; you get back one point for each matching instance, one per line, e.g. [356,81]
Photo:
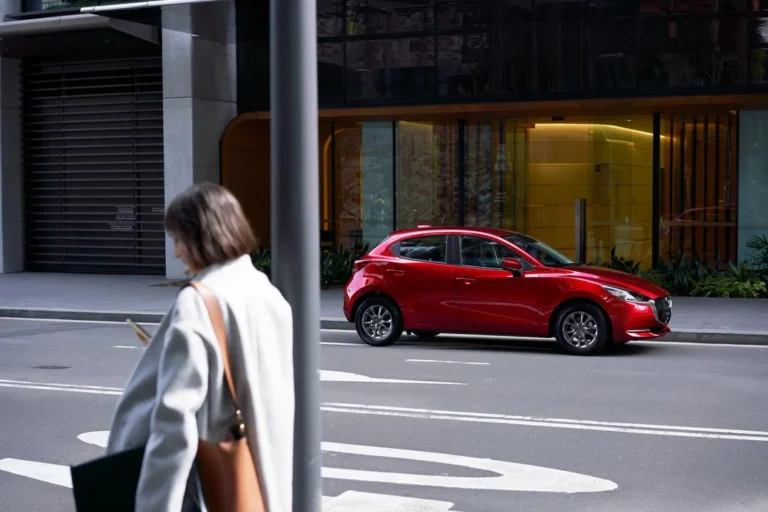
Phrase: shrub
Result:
[335,266]
[728,286]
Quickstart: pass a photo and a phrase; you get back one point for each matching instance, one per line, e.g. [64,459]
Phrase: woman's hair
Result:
[210,222]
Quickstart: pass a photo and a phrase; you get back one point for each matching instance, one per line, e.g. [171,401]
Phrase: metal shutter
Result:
[93,166]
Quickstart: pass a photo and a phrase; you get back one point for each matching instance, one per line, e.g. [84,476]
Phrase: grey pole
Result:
[581,230]
[295,223]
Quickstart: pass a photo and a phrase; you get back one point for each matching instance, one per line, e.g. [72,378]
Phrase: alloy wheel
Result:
[377,322]
[580,329]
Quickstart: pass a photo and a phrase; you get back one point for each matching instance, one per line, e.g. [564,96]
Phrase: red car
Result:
[489,281]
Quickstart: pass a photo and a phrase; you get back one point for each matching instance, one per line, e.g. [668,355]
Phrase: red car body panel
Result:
[450,297]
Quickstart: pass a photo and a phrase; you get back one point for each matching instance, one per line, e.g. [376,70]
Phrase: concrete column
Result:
[11,172]
[199,97]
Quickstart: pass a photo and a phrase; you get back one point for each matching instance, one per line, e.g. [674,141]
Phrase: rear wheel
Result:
[378,322]
[582,329]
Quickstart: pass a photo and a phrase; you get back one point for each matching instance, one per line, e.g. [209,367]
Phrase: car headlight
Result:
[626,295]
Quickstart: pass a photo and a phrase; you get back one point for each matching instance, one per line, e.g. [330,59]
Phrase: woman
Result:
[177,393]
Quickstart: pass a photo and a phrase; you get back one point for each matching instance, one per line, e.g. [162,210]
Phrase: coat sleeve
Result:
[182,387]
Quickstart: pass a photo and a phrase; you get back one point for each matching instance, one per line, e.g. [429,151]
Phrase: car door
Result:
[421,282]
[489,299]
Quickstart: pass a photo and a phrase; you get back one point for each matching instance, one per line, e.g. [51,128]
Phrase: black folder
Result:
[108,484]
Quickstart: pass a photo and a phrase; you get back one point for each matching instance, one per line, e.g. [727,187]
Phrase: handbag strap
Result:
[214,311]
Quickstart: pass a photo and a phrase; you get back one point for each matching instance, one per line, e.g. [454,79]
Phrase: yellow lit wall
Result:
[607,161]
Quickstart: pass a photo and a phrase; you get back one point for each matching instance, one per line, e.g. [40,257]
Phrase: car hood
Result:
[620,279]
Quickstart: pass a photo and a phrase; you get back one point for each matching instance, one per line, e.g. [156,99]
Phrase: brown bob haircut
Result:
[210,222]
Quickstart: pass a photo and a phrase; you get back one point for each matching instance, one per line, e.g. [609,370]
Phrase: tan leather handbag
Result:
[227,470]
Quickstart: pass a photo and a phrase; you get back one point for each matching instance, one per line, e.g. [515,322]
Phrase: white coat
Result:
[177,393]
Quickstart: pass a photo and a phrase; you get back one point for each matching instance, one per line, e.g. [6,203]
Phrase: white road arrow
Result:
[350,501]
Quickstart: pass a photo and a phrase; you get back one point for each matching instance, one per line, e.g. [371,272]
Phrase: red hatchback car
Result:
[489,281]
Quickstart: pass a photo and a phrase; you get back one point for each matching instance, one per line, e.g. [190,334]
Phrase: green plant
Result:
[759,244]
[335,266]
[656,278]
[262,260]
[622,264]
[683,273]
[728,286]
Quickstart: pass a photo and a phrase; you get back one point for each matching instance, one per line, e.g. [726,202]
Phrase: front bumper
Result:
[642,320]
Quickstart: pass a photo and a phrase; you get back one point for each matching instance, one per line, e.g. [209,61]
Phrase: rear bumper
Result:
[641,320]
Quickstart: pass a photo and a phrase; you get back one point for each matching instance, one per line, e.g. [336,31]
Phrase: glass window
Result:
[367,17]
[464,65]
[424,248]
[693,53]
[542,252]
[348,218]
[330,73]
[330,18]
[753,181]
[364,166]
[611,8]
[558,46]
[759,43]
[400,68]
[483,252]
[698,187]
[514,50]
[606,160]
[427,174]
[610,48]
[464,15]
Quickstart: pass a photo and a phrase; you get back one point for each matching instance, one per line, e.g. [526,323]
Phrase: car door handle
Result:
[395,271]
[466,280]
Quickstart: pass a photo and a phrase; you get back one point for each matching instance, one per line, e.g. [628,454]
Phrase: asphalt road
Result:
[470,425]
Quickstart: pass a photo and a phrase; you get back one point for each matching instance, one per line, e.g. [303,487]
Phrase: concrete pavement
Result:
[652,427]
[147,298]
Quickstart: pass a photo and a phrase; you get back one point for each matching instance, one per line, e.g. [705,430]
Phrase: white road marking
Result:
[353,501]
[325,376]
[602,426]
[50,473]
[331,376]
[350,501]
[129,347]
[50,386]
[511,476]
[445,362]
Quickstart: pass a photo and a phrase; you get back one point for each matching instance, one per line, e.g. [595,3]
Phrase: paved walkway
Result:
[146,298]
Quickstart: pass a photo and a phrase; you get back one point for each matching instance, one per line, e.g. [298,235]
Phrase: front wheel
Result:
[582,329]
[378,322]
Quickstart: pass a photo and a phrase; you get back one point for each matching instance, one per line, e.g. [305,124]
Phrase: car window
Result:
[484,252]
[423,248]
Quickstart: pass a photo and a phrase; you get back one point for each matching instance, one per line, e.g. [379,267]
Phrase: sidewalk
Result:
[146,299]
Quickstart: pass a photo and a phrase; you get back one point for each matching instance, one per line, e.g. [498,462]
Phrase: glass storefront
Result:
[657,186]
[518,174]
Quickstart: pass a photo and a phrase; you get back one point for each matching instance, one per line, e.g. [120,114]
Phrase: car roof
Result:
[452,230]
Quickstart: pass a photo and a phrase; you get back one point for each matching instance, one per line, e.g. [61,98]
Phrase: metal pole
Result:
[581,230]
[295,222]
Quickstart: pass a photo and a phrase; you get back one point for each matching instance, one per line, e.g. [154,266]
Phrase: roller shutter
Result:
[93,166]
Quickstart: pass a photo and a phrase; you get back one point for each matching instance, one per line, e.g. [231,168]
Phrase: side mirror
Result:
[512,264]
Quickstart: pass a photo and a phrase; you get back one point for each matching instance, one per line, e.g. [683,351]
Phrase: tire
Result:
[387,314]
[427,335]
[582,329]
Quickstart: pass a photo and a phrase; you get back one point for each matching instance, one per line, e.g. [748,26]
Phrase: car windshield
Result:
[541,251]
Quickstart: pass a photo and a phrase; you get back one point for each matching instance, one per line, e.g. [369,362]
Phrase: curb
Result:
[711,336]
[82,315]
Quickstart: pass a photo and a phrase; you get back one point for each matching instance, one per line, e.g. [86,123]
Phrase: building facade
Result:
[483,112]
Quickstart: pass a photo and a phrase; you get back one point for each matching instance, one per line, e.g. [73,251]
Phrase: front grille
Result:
[664,309]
